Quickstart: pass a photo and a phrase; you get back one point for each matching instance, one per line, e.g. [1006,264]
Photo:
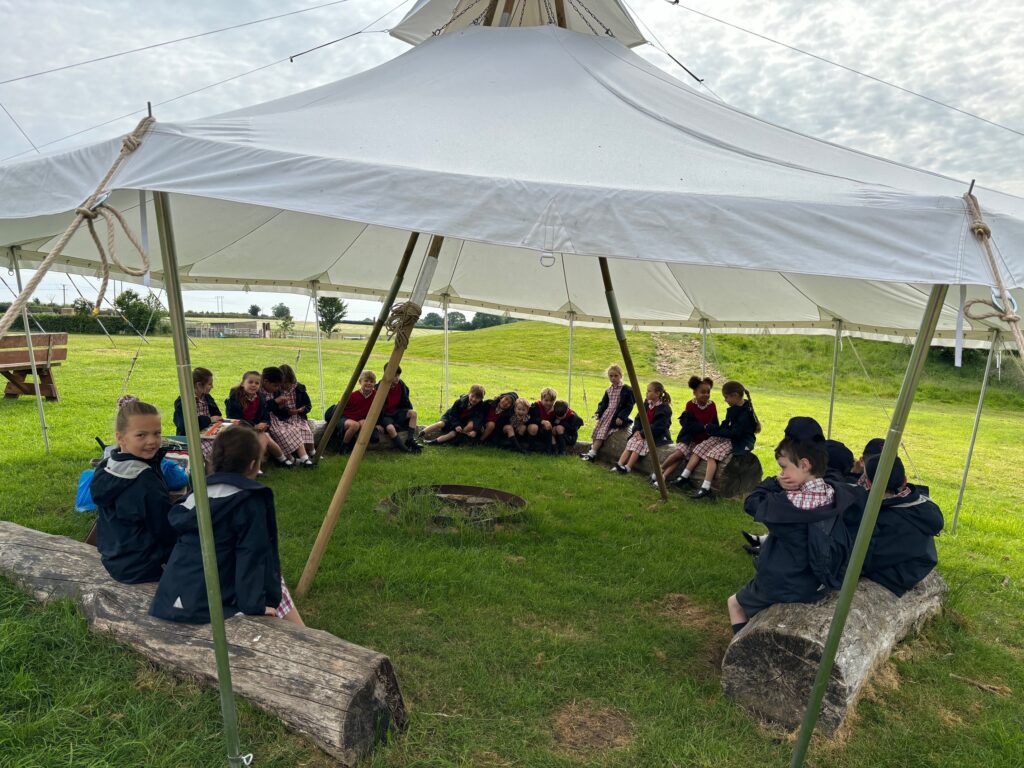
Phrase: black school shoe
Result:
[703,493]
[752,540]
[753,551]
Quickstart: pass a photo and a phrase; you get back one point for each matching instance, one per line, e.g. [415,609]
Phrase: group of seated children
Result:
[397,414]
[508,421]
[142,537]
[273,402]
[813,512]
[701,435]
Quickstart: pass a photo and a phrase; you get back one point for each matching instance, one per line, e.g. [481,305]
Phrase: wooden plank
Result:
[344,697]
[17,341]
[18,358]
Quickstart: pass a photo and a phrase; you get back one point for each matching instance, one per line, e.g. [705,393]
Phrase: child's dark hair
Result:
[129,406]
[735,388]
[873,447]
[897,478]
[273,375]
[660,389]
[695,382]
[398,370]
[235,449]
[812,450]
[238,393]
[287,374]
[201,376]
[560,408]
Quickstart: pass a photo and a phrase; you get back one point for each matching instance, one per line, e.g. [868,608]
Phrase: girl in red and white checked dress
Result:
[699,413]
[612,412]
[736,433]
[289,431]
[659,415]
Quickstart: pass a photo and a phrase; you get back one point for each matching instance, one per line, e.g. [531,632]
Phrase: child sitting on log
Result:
[804,556]
[245,403]
[133,535]
[518,422]
[658,408]
[398,414]
[463,422]
[499,412]
[902,549]
[245,532]
[566,427]
[699,414]
[288,427]
[207,411]
[356,410]
[612,412]
[736,433]
[542,417]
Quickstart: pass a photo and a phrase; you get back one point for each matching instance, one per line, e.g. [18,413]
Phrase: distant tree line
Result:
[458,322]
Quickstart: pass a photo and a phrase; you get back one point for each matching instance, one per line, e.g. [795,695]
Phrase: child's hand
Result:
[262,427]
[215,419]
[281,400]
[787,485]
[546,424]
[458,429]
[471,433]
[293,411]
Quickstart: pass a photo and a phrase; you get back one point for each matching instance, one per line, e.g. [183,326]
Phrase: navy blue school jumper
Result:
[302,401]
[625,407]
[572,423]
[133,535]
[902,549]
[245,536]
[462,414]
[738,426]
[805,555]
[661,422]
[235,409]
[396,410]
[204,421]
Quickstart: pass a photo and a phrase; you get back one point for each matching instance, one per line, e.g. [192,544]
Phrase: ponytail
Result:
[757,421]
[660,389]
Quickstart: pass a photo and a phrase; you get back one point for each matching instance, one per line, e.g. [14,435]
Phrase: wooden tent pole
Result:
[867,525]
[385,310]
[560,13]
[627,360]
[408,320]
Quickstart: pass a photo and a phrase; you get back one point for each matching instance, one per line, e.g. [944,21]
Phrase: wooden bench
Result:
[49,350]
[344,697]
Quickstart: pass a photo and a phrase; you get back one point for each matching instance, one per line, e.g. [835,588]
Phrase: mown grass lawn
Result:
[495,635]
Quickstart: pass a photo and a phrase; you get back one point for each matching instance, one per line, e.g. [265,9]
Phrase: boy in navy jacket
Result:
[245,532]
[902,549]
[566,426]
[804,556]
[463,421]
[133,534]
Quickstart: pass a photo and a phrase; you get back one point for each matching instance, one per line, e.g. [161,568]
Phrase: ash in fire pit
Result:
[447,505]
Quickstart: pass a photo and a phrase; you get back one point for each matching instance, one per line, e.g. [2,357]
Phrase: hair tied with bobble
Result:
[126,400]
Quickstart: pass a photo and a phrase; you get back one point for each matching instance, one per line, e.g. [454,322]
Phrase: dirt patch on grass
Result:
[680,358]
[559,630]
[884,679]
[585,729]
[688,612]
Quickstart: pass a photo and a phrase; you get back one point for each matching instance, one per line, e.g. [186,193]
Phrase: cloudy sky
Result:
[967,55]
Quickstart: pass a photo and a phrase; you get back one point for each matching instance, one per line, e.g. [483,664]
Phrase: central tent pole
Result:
[627,360]
[31,357]
[572,327]
[874,502]
[385,310]
[198,472]
[319,349]
[835,372]
[405,318]
[994,342]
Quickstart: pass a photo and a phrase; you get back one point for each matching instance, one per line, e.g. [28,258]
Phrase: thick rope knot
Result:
[400,322]
[86,213]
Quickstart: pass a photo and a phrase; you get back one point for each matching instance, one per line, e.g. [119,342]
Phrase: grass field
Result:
[500,638]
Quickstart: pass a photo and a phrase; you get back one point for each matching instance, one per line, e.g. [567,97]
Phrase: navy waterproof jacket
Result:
[807,550]
[245,537]
[133,534]
[739,426]
[902,549]
[474,419]
[661,423]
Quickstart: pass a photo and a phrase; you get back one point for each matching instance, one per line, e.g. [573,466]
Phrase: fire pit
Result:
[448,505]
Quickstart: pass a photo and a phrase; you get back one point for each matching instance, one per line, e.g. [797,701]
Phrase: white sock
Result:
[686,473]
[706,485]
[628,469]
[654,477]
[592,453]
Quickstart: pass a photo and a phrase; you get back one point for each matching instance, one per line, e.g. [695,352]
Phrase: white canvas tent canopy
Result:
[534,150]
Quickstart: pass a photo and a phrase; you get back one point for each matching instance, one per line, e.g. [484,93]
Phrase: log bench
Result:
[344,697]
[48,349]
[769,667]
[736,476]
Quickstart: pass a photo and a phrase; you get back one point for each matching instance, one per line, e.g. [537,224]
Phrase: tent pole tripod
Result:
[385,310]
[406,320]
[319,348]
[874,502]
[627,360]
[835,373]
[994,342]
[32,357]
[188,405]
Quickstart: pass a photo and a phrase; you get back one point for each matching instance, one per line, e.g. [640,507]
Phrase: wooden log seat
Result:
[736,476]
[344,697]
[769,667]
[49,351]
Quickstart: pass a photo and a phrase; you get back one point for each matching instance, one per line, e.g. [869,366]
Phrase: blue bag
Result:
[83,497]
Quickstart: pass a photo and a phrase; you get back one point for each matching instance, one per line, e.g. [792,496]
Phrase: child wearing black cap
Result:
[902,549]
[804,555]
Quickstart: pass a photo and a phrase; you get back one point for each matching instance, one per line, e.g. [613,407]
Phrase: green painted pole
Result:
[867,524]
[385,310]
[627,360]
[198,471]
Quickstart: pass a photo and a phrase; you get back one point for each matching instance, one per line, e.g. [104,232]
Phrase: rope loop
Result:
[86,213]
[400,322]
